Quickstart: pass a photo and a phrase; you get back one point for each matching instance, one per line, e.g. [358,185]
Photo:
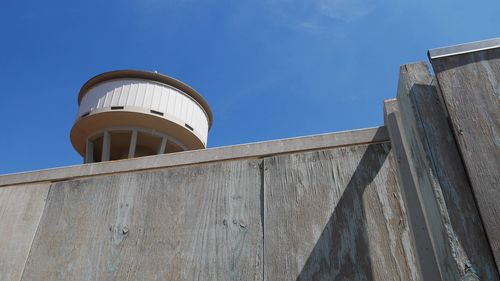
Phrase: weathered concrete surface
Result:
[20,210]
[206,221]
[470,86]
[195,223]
[416,212]
[336,215]
[424,145]
[252,150]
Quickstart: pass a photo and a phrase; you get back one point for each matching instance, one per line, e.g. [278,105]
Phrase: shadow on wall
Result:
[332,258]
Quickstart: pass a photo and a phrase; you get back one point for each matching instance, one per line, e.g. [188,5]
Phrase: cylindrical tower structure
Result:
[131,113]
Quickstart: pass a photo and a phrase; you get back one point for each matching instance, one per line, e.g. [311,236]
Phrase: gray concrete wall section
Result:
[189,223]
[336,215]
[432,172]
[21,208]
[207,219]
[470,85]
[421,233]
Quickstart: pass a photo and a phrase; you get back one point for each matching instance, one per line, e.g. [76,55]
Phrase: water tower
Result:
[130,113]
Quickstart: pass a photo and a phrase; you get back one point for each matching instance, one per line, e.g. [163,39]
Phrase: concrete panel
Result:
[336,215]
[460,245]
[195,223]
[21,208]
[470,86]
[416,211]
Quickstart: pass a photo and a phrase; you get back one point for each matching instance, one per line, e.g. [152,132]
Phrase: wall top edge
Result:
[251,150]
[470,47]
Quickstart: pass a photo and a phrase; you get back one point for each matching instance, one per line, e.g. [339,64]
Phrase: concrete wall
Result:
[325,207]
[444,133]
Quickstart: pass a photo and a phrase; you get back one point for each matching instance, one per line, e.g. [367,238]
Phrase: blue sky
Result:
[269,68]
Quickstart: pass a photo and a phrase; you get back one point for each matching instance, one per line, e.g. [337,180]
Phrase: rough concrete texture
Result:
[207,219]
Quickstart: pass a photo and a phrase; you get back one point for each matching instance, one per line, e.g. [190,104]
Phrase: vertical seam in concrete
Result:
[36,232]
[262,212]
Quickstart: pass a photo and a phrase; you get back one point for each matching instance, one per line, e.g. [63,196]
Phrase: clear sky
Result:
[269,68]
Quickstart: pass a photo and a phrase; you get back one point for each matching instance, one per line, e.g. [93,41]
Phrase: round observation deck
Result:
[131,113]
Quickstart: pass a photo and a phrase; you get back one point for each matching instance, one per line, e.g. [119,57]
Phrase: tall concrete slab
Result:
[469,78]
[429,162]
[417,213]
